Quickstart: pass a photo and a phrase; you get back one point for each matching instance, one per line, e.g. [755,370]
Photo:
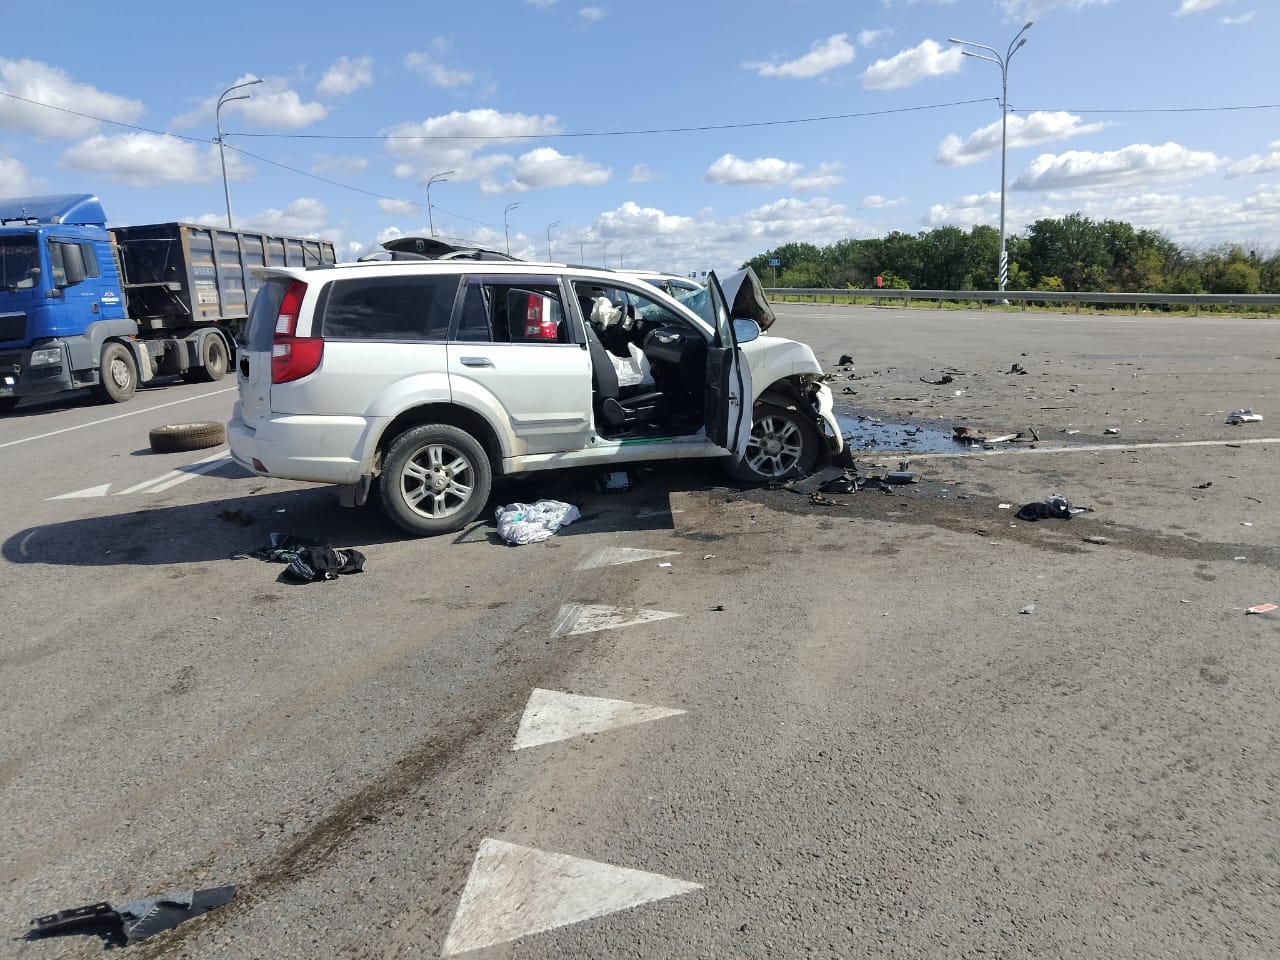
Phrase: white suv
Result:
[433,376]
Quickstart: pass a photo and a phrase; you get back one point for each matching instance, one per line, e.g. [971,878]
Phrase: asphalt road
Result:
[851,741]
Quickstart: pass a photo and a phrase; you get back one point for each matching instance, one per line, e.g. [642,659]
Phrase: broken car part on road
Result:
[134,921]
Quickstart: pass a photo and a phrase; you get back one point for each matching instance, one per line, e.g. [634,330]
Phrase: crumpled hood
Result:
[745,296]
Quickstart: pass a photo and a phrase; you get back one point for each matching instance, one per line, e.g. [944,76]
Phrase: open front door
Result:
[727,409]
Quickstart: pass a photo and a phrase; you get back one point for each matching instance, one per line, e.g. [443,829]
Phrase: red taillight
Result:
[293,357]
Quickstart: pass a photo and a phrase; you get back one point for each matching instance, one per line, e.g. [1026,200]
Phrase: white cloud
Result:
[437,73]
[592,14]
[1020,10]
[324,163]
[270,104]
[876,202]
[823,55]
[641,173]
[867,37]
[633,220]
[454,140]
[1242,18]
[15,181]
[1256,163]
[819,221]
[547,167]
[1196,6]
[969,210]
[39,82]
[826,176]
[764,171]
[303,217]
[401,208]
[1024,131]
[345,76]
[149,159]
[1132,165]
[929,59]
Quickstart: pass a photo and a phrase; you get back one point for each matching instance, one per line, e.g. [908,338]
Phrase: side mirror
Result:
[72,264]
[745,330]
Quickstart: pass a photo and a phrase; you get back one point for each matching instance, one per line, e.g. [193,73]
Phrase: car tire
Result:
[215,361]
[118,376]
[177,437]
[783,444]
[435,478]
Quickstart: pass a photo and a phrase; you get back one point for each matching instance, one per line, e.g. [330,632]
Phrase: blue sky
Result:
[584,115]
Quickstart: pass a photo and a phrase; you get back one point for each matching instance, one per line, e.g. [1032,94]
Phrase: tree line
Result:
[1072,253]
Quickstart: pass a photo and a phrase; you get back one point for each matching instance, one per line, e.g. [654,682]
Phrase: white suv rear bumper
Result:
[284,446]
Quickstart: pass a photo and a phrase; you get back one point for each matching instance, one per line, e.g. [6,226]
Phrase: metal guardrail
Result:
[983,297]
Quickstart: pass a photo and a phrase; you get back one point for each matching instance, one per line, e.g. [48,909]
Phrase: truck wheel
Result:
[177,437]
[214,360]
[8,405]
[435,479]
[119,374]
[782,444]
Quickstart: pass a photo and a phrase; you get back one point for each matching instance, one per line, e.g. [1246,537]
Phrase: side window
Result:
[512,310]
[90,258]
[57,264]
[389,308]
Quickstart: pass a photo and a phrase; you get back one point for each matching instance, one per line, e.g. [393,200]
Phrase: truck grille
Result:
[13,326]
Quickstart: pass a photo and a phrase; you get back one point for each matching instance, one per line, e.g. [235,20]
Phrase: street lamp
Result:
[435,178]
[606,254]
[553,223]
[217,114]
[505,230]
[1003,63]
[582,256]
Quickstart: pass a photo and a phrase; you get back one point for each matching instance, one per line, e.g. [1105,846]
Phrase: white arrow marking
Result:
[551,716]
[587,618]
[612,556]
[514,891]
[181,475]
[100,491]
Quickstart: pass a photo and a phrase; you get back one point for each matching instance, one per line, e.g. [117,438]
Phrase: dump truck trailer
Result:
[86,306]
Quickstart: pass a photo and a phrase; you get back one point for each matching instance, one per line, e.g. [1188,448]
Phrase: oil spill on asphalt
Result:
[865,434]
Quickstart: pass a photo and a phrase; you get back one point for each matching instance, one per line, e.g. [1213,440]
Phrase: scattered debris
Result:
[978,435]
[1029,608]
[1005,506]
[818,500]
[308,560]
[138,920]
[945,379]
[1243,416]
[1112,430]
[1070,432]
[1099,541]
[1204,486]
[236,516]
[718,608]
[1262,608]
[845,484]
[815,481]
[614,481]
[901,477]
[1018,369]
[1034,436]
[845,360]
[534,522]
[665,564]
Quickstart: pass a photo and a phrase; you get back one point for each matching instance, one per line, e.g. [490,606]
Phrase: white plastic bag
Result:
[533,522]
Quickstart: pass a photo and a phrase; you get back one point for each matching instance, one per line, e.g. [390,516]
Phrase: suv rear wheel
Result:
[435,479]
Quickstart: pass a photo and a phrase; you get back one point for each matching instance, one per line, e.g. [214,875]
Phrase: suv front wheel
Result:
[435,479]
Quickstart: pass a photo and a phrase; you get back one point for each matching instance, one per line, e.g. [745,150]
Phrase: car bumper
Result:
[825,404]
[274,447]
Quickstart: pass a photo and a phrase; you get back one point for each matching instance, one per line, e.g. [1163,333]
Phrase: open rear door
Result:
[727,409]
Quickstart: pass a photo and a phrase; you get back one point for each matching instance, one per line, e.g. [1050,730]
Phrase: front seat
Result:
[618,405]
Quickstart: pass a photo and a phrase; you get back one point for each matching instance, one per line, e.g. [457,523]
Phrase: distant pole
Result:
[605,264]
[222,155]
[553,223]
[435,178]
[582,257]
[1003,63]
[506,231]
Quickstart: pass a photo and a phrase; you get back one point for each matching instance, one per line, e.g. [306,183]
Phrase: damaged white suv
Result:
[433,376]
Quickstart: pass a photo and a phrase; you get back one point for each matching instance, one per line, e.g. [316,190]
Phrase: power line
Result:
[1252,106]
[89,116]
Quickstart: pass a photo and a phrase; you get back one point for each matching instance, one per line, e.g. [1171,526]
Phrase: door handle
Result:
[476,362]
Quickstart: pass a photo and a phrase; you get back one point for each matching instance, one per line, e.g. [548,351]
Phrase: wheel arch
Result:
[450,413]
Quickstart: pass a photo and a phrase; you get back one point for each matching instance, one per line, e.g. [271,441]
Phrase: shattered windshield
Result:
[19,264]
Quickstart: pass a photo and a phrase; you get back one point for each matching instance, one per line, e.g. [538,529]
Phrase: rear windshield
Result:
[389,308]
[262,317]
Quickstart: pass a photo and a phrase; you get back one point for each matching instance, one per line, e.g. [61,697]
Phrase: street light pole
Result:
[222,155]
[581,255]
[505,230]
[1003,63]
[606,254]
[435,178]
[553,223]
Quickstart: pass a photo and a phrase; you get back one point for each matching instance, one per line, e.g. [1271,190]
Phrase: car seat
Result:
[618,405]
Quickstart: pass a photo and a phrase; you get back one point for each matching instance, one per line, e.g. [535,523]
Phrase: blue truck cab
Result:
[62,312]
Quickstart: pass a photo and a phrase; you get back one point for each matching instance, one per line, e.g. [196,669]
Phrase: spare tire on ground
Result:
[176,437]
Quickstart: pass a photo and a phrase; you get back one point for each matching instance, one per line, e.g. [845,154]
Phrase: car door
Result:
[727,410]
[512,353]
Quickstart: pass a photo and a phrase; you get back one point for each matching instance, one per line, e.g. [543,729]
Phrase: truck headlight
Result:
[42,357]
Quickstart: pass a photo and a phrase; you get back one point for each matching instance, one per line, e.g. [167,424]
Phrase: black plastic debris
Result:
[131,922]
[941,381]
[309,561]
[844,361]
[814,482]
[1018,369]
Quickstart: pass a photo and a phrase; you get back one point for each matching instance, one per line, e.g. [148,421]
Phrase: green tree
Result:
[1072,248]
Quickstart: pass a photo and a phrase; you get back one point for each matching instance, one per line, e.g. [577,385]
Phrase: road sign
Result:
[775,262]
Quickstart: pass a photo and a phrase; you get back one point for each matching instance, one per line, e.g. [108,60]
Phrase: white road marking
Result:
[118,416]
[181,475]
[612,556]
[551,716]
[587,618]
[1077,448]
[514,891]
[98,491]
